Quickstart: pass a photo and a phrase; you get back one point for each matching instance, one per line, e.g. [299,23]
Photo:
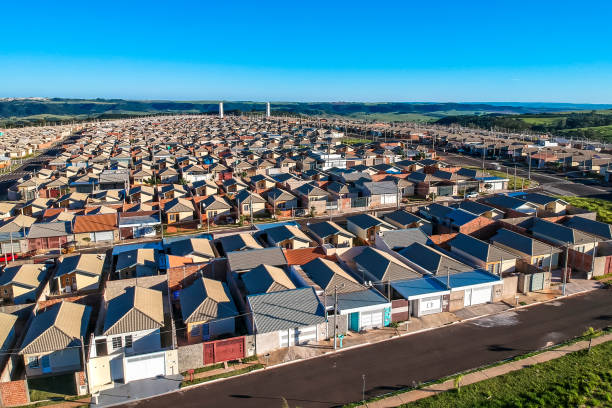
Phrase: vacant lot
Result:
[603,208]
[580,379]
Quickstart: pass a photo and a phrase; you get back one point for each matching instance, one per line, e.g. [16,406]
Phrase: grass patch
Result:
[603,277]
[204,369]
[54,387]
[355,140]
[603,208]
[579,379]
[514,183]
[223,375]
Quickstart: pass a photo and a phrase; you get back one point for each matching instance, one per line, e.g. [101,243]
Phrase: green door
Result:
[354,321]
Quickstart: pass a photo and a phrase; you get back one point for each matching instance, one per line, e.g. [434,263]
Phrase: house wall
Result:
[99,372]
[360,233]
[59,361]
[265,342]
[456,301]
[342,241]
[144,341]
[14,393]
[190,357]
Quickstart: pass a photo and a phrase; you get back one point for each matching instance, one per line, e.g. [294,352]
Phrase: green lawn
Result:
[55,387]
[355,140]
[603,208]
[542,121]
[580,379]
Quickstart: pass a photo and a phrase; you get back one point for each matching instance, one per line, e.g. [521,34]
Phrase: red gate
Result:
[223,350]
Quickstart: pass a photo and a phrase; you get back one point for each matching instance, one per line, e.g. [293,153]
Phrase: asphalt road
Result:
[552,183]
[336,379]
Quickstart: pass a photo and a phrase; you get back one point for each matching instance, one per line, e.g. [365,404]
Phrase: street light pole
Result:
[565,269]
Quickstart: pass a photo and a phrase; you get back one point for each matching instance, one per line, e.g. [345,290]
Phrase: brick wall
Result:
[182,276]
[14,393]
[43,304]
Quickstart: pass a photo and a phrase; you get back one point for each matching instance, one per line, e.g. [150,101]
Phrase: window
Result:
[128,341]
[116,343]
[195,330]
[172,217]
[33,362]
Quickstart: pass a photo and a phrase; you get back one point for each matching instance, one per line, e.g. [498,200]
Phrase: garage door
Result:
[371,319]
[101,236]
[481,295]
[388,199]
[6,247]
[297,336]
[145,366]
[430,305]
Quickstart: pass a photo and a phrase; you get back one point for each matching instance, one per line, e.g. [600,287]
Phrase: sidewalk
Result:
[477,376]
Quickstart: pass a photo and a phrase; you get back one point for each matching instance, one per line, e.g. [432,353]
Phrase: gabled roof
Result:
[178,205]
[505,201]
[541,199]
[192,246]
[87,264]
[383,266]
[327,275]
[247,196]
[136,309]
[327,229]
[58,327]
[601,229]
[560,233]
[134,257]
[95,223]
[284,310]
[205,300]
[49,229]
[433,261]
[7,324]
[285,232]
[277,194]
[365,221]
[401,238]
[249,259]
[477,208]
[266,279]
[479,249]
[310,190]
[521,243]
[402,217]
[27,276]
[215,202]
[238,242]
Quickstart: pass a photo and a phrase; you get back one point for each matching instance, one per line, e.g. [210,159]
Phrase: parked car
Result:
[472,195]
[8,257]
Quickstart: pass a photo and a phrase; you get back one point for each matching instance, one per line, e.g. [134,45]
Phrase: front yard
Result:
[603,208]
[55,387]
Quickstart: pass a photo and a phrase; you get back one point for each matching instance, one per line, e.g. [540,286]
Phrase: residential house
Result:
[547,204]
[287,236]
[289,317]
[265,279]
[198,249]
[366,226]
[179,210]
[45,236]
[79,272]
[281,199]
[53,343]
[512,205]
[250,204]
[403,219]
[328,232]
[215,208]
[531,250]
[136,263]
[208,310]
[237,242]
[96,228]
[138,224]
[483,255]
[561,235]
[600,229]
[19,284]
[396,240]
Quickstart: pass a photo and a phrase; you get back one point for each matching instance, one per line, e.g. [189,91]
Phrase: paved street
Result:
[337,379]
[551,183]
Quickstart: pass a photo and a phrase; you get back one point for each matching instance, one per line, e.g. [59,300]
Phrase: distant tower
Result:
[221,110]
[268,109]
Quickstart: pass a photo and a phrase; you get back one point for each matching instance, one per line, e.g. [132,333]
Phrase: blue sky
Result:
[492,50]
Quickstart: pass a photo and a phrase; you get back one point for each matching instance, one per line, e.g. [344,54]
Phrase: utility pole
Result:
[529,171]
[336,313]
[565,269]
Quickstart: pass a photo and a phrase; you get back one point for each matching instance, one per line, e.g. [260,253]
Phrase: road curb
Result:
[332,352]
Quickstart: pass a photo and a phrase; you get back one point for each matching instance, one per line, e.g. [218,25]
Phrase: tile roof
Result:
[95,223]
[49,229]
[302,256]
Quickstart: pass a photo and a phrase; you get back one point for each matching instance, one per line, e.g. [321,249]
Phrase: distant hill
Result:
[28,111]
[593,124]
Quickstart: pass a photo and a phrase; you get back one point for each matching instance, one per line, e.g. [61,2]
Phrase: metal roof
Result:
[285,310]
[471,278]
[205,300]
[249,259]
[136,309]
[413,288]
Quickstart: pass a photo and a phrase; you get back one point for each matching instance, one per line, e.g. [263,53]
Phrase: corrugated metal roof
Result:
[59,326]
[286,310]
[249,259]
[137,309]
[266,279]
[205,300]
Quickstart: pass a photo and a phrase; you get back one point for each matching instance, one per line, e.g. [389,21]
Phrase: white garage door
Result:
[371,319]
[430,305]
[101,236]
[477,296]
[144,366]
[297,336]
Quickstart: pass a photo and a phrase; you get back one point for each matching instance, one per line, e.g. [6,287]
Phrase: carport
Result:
[423,296]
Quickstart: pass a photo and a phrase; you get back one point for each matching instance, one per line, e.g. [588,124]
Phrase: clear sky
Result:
[456,50]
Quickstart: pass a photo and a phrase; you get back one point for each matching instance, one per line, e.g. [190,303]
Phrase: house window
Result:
[33,362]
[128,341]
[195,330]
[116,343]
[172,217]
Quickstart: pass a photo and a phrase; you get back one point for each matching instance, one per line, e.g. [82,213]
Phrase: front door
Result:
[46,364]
